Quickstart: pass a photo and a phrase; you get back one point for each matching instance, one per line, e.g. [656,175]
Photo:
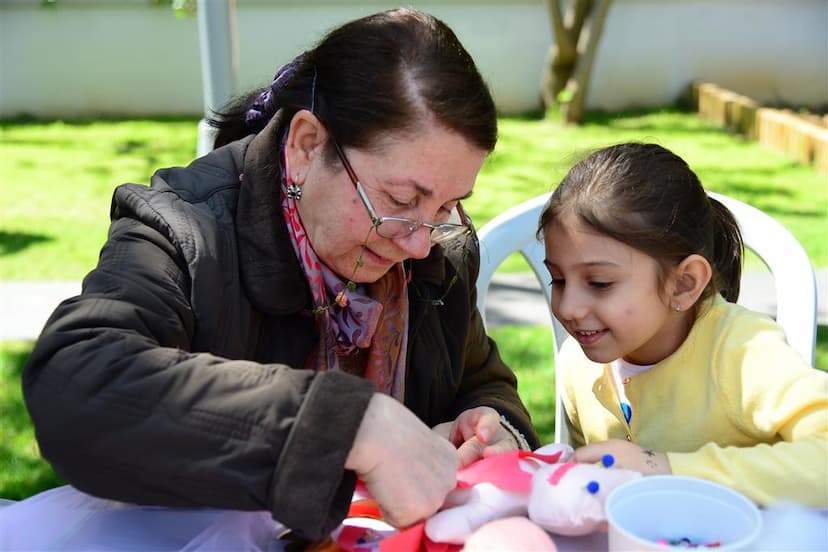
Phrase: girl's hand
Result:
[477,433]
[628,456]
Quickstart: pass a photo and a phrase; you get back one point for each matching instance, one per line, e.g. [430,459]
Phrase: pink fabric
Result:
[378,319]
[504,470]
[559,472]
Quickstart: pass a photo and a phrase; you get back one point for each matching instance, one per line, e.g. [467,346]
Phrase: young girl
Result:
[663,370]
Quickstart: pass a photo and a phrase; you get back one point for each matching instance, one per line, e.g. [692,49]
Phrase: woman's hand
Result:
[477,433]
[628,456]
[407,468]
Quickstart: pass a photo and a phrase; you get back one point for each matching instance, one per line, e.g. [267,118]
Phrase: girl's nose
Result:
[417,244]
[567,305]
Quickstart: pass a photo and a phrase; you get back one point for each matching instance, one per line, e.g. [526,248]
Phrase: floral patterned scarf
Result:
[373,316]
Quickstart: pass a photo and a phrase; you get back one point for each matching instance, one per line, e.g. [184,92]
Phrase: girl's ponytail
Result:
[727,251]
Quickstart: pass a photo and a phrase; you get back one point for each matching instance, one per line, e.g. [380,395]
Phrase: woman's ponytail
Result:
[250,113]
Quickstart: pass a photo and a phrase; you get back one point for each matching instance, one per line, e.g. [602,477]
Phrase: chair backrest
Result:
[515,231]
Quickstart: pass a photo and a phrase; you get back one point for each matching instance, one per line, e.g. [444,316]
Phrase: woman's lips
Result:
[375,258]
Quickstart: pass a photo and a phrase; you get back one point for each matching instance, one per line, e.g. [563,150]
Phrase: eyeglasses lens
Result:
[442,234]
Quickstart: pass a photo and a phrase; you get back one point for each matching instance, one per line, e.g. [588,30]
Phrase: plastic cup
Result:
[668,508]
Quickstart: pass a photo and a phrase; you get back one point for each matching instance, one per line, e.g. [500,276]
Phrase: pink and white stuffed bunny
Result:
[562,497]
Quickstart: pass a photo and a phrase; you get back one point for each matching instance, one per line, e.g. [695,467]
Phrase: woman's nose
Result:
[417,244]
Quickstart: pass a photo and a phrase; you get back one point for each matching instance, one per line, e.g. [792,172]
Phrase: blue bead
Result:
[593,487]
[608,460]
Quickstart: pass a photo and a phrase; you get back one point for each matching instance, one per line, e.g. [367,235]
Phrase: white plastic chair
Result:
[515,231]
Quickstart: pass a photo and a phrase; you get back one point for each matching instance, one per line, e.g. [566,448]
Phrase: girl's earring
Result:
[678,307]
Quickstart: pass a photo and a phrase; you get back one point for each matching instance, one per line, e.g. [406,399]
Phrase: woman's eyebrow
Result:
[428,192]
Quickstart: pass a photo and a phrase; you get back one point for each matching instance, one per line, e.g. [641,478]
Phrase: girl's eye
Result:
[557,282]
[601,285]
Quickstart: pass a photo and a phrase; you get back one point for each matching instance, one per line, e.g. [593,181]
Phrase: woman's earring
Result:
[678,307]
[294,192]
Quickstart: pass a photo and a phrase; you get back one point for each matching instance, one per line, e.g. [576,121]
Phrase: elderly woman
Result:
[295,310]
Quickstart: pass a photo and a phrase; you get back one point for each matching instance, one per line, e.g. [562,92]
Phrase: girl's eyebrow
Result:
[597,263]
[587,264]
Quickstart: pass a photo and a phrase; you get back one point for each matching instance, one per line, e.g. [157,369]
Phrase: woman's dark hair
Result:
[647,197]
[388,72]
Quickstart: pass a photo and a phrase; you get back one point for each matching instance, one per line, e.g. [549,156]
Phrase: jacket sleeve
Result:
[782,403]
[487,380]
[123,409]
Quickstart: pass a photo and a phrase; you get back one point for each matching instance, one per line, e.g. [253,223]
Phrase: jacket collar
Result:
[271,274]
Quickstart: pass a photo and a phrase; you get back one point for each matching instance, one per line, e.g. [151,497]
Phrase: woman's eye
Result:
[600,285]
[403,203]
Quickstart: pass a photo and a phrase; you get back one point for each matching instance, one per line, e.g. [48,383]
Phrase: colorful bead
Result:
[685,542]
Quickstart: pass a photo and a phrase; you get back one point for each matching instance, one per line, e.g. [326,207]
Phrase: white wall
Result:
[107,57]
[83,58]
[770,50]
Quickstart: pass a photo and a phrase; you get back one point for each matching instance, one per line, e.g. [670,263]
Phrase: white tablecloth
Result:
[66,519]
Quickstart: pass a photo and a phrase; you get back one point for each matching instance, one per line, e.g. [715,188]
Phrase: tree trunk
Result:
[578,84]
[563,53]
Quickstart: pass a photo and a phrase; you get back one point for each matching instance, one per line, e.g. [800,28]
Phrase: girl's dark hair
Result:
[388,72]
[647,197]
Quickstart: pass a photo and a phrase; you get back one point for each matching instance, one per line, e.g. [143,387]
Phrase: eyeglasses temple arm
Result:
[361,191]
[464,217]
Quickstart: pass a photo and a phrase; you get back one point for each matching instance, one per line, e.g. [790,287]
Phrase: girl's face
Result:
[420,177]
[607,296]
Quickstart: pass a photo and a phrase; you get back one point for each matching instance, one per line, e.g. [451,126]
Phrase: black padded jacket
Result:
[176,377]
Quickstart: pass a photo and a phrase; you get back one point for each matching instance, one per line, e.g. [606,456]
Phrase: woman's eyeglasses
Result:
[399,227]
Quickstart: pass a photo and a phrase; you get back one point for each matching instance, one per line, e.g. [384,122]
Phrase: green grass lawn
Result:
[22,471]
[58,178]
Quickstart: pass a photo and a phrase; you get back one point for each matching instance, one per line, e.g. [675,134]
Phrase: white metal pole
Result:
[218,43]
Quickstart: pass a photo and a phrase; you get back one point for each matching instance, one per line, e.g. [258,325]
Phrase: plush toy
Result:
[532,489]
[561,497]
[510,533]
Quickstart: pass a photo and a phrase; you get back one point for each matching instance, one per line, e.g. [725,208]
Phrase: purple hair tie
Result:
[263,109]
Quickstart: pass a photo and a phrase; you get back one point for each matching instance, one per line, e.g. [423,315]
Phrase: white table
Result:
[66,519]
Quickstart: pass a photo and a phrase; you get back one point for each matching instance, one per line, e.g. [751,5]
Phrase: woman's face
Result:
[420,176]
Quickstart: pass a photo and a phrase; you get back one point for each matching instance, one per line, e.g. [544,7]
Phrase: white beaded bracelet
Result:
[519,438]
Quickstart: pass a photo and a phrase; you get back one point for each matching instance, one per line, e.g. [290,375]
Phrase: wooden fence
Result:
[803,136]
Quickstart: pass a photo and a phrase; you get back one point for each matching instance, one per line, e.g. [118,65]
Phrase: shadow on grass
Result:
[642,121]
[14,242]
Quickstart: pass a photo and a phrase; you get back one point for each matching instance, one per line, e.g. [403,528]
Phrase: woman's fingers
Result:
[408,468]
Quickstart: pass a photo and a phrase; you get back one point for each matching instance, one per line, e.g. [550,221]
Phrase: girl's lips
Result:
[588,337]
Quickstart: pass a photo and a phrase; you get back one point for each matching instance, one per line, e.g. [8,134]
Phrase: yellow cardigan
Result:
[734,404]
